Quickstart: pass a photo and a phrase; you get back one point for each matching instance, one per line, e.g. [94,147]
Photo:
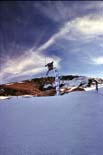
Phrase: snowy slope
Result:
[65,125]
[76,82]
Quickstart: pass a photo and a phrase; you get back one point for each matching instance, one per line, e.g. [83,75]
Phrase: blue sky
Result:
[70,33]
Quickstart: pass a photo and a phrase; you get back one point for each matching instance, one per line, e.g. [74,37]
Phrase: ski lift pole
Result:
[57,82]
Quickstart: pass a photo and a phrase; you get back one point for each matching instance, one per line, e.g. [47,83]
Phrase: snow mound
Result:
[79,81]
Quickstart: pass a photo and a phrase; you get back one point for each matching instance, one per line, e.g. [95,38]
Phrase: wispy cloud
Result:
[90,25]
[29,63]
[76,25]
[58,10]
[87,28]
[33,60]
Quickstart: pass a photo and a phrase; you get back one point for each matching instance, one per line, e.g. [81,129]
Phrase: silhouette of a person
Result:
[50,67]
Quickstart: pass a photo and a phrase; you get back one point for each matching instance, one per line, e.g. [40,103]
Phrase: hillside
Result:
[27,87]
[46,86]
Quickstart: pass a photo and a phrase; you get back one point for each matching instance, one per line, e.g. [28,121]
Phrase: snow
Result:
[47,86]
[27,96]
[21,82]
[71,124]
[4,97]
[93,87]
[75,82]
[9,83]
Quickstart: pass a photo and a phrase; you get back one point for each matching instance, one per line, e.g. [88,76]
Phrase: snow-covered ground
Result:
[61,125]
[93,87]
[76,82]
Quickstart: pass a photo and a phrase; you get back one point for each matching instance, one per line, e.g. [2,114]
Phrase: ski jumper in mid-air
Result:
[50,67]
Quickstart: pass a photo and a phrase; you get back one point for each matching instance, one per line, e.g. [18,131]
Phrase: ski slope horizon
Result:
[61,125]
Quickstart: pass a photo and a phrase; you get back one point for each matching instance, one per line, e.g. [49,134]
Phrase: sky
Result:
[33,33]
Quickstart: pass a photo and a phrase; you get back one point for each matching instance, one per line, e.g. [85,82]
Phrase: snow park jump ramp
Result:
[61,125]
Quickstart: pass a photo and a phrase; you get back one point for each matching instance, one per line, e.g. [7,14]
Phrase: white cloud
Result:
[98,60]
[89,25]
[47,44]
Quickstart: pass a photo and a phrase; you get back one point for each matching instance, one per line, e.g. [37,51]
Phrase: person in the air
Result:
[50,67]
